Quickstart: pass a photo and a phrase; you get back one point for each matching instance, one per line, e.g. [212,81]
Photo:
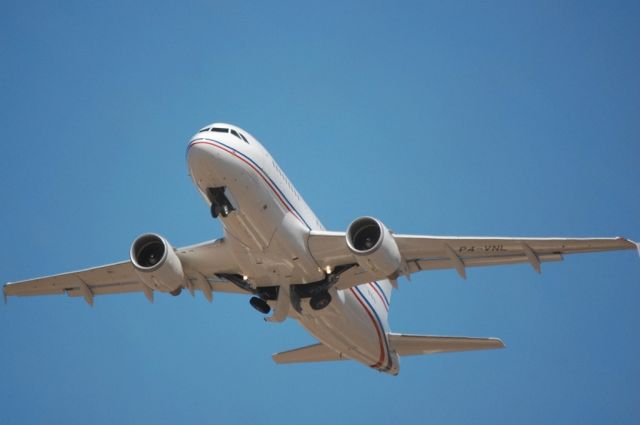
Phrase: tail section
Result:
[311,353]
[412,345]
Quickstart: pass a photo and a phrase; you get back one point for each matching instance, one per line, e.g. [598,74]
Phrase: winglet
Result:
[4,294]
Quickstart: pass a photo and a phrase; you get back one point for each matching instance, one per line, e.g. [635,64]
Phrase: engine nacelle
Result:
[373,246]
[157,264]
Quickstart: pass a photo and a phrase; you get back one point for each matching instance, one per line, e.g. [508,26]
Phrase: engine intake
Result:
[373,246]
[156,263]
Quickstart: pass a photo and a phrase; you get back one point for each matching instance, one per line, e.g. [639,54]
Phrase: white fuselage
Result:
[268,232]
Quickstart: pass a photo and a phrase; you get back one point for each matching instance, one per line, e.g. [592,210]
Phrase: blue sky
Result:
[499,118]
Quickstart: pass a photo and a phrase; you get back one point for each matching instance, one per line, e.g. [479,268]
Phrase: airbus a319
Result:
[336,284]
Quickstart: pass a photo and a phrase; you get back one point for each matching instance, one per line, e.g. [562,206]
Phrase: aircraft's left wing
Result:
[447,252]
[201,262]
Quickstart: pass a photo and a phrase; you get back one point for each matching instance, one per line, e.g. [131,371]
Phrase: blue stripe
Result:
[261,170]
[384,334]
[384,295]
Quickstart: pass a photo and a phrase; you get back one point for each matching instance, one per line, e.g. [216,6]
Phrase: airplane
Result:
[336,284]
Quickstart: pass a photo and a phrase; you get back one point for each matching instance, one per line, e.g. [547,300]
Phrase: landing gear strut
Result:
[316,292]
[220,204]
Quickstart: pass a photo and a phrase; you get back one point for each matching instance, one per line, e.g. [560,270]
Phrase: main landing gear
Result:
[260,305]
[317,292]
[320,300]
[220,204]
[317,302]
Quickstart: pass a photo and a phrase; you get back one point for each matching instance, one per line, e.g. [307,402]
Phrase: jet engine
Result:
[157,264]
[373,246]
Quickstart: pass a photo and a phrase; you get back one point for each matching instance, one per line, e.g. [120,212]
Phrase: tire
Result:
[320,301]
[260,305]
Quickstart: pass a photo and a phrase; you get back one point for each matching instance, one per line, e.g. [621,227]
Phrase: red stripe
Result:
[257,172]
[384,303]
[381,360]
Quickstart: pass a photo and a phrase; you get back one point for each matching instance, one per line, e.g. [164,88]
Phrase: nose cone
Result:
[202,159]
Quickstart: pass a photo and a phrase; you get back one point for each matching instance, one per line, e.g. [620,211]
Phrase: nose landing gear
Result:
[220,204]
[217,210]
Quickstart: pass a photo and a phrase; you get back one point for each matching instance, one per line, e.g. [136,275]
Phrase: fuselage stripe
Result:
[380,293]
[375,325]
[247,160]
[382,330]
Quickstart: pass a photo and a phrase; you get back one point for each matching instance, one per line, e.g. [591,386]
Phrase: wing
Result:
[446,252]
[411,345]
[201,264]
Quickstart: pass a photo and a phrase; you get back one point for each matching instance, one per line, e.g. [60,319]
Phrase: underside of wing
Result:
[109,279]
[411,345]
[447,252]
[200,265]
[311,353]
[429,252]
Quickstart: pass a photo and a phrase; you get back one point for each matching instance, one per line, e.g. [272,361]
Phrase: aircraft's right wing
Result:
[201,264]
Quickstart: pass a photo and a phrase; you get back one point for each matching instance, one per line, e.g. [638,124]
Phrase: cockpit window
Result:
[220,129]
[235,133]
[244,138]
[203,130]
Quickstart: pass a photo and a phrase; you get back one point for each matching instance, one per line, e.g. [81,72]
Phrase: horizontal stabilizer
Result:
[311,353]
[411,345]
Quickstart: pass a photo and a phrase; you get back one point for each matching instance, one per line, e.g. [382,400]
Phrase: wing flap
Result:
[439,263]
[311,353]
[412,345]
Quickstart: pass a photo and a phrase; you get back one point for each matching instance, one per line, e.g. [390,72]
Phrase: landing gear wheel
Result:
[215,210]
[260,305]
[320,300]
[222,210]
[176,292]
